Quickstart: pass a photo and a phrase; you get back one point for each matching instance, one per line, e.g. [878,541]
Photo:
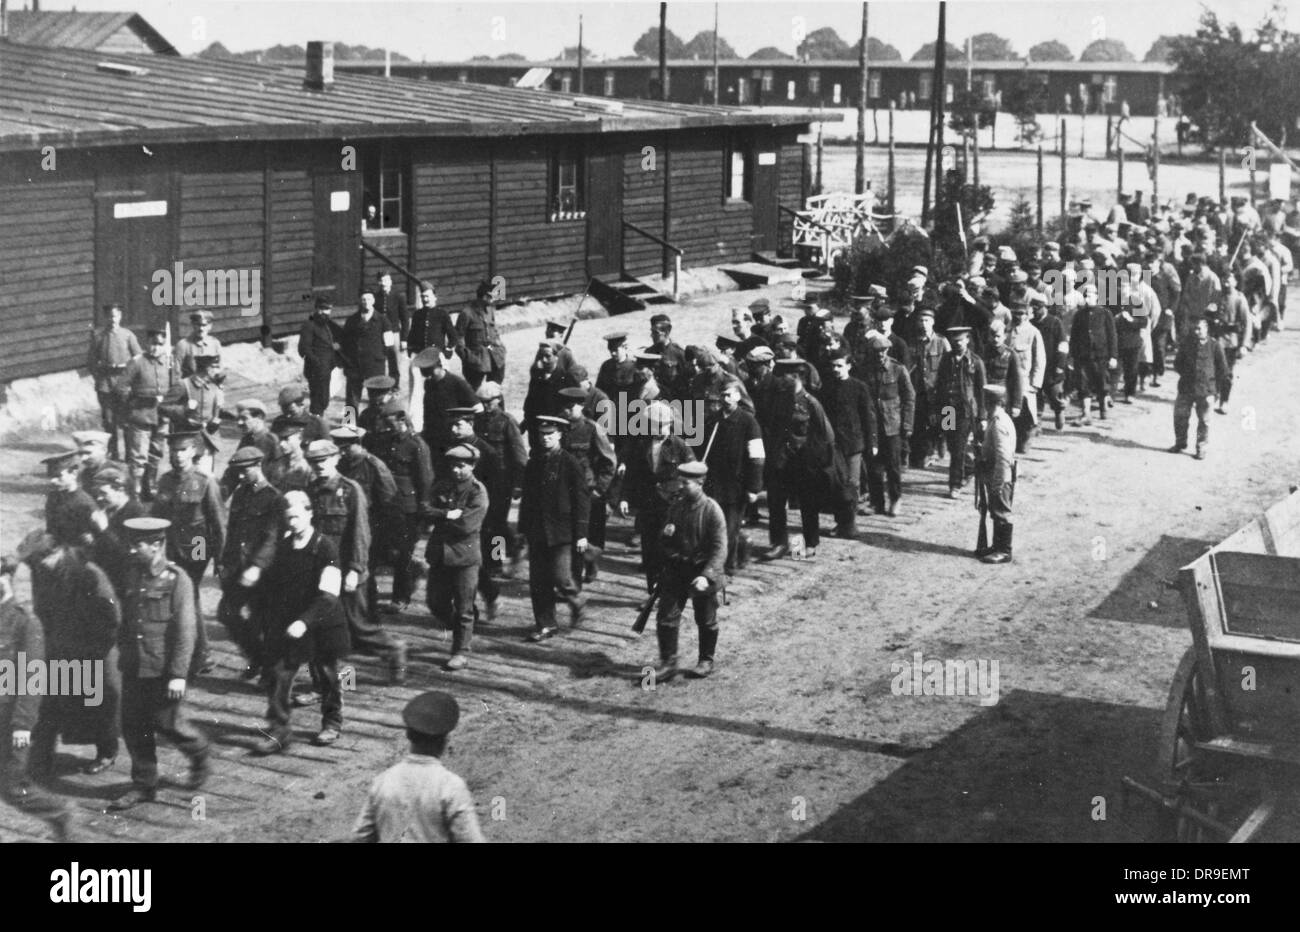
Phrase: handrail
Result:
[650,236]
[411,276]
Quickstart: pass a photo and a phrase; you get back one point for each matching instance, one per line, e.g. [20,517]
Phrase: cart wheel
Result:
[1186,722]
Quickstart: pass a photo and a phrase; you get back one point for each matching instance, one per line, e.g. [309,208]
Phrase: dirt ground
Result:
[798,736]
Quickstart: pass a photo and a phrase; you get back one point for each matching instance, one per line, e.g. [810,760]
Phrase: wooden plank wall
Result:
[536,256]
[453,209]
[790,158]
[292,237]
[709,230]
[47,287]
[222,228]
[643,204]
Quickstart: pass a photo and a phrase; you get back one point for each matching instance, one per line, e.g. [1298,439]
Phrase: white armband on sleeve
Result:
[755,449]
[331,580]
[1063,347]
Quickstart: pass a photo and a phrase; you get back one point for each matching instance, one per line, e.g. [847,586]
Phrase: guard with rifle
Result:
[694,543]
[996,476]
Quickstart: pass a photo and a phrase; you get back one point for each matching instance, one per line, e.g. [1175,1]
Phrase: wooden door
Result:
[604,213]
[765,193]
[336,256]
[135,250]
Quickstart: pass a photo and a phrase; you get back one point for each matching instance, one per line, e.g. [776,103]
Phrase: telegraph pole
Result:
[663,51]
[715,54]
[581,86]
[860,170]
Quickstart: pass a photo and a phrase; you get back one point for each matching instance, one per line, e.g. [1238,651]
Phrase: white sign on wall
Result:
[139,209]
[767,158]
[1279,180]
[340,201]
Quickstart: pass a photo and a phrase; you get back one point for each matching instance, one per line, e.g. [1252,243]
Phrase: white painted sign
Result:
[1279,180]
[767,158]
[139,209]
[340,201]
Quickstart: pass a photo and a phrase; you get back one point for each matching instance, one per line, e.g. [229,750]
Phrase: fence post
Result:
[677,274]
[1083,121]
[1063,158]
[1155,163]
[891,158]
[1119,172]
[1222,174]
[1040,189]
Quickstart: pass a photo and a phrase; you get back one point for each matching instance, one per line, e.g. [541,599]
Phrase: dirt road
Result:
[799,734]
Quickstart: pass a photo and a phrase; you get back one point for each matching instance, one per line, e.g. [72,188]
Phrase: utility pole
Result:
[581,86]
[663,51]
[860,169]
[715,54]
[940,92]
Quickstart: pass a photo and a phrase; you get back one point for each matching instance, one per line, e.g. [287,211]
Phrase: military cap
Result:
[252,405]
[245,456]
[379,383]
[201,317]
[551,344]
[463,452]
[1018,276]
[321,449]
[789,339]
[348,433]
[878,341]
[791,362]
[926,312]
[60,463]
[760,354]
[648,358]
[557,326]
[615,339]
[875,292]
[573,396]
[661,319]
[957,331]
[433,713]
[692,470]
[156,331]
[430,358]
[1006,254]
[919,271]
[725,340]
[761,304]
[206,360]
[287,428]
[184,439]
[579,372]
[994,389]
[882,312]
[291,394]
[549,422]
[109,475]
[324,304]
[147,528]
[367,290]
[393,408]
[489,390]
[460,414]
[90,436]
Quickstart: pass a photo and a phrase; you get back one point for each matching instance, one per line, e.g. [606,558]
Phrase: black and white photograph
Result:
[687,422]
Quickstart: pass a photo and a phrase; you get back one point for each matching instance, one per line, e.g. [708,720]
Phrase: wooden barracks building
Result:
[123,173]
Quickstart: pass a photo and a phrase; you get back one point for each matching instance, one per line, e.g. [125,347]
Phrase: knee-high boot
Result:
[667,668]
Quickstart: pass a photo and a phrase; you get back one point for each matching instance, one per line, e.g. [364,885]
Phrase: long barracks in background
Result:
[1103,87]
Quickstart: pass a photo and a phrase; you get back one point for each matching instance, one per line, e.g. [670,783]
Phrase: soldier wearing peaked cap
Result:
[93,447]
[419,799]
[547,378]
[256,509]
[501,431]
[694,540]
[617,374]
[407,457]
[460,504]
[588,442]
[293,401]
[319,345]
[670,372]
[200,342]
[156,645]
[146,381]
[443,391]
[68,508]
[387,528]
[482,354]
[649,481]
[894,405]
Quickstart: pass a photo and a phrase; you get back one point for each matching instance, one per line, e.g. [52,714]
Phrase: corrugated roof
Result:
[571,64]
[68,97]
[73,30]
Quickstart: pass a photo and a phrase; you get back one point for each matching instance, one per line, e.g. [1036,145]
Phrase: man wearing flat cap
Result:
[482,354]
[68,508]
[319,344]
[455,551]
[797,440]
[156,645]
[443,391]
[694,542]
[553,519]
[145,383]
[894,405]
[418,799]
[489,469]
[927,350]
[500,430]
[293,401]
[251,535]
[546,380]
[960,392]
[407,457]
[380,489]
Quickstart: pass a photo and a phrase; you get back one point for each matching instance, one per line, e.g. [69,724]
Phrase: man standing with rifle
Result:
[996,476]
[695,551]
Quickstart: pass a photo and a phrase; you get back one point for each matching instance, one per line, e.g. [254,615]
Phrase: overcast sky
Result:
[438,30]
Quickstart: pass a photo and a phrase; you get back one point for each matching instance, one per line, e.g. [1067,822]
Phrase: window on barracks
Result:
[566,84]
[789,90]
[385,191]
[463,77]
[708,81]
[768,78]
[814,82]
[609,84]
[836,94]
[738,181]
[873,84]
[1108,89]
[923,87]
[567,197]
[986,88]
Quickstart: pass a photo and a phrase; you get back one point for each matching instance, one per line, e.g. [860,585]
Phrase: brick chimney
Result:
[320,66]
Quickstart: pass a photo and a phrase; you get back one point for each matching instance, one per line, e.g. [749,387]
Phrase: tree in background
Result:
[926,53]
[570,53]
[989,46]
[823,44]
[1229,79]
[770,53]
[1162,49]
[1106,50]
[701,47]
[648,45]
[969,109]
[1050,50]
[876,50]
[1024,96]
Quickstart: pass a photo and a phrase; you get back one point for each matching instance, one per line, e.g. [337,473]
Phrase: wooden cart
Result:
[1229,755]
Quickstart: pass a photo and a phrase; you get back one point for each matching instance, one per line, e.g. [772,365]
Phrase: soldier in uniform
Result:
[68,508]
[996,472]
[200,342]
[156,647]
[928,350]
[489,470]
[111,349]
[293,409]
[80,614]
[339,512]
[380,390]
[852,416]
[960,392]
[93,447]
[694,541]
[443,390]
[407,457]
[147,380]
[553,519]
[894,404]
[501,431]
[587,441]
[251,417]
[735,457]
[617,375]
[290,470]
[556,330]
[391,306]
[195,404]
[418,799]
[1202,369]
[1093,349]
[387,529]
[545,382]
[482,354]
[1002,367]
[649,479]
[454,555]
[670,372]
[111,550]
[319,344]
[298,602]
[191,502]
[21,639]
[798,439]
[1055,353]
[254,526]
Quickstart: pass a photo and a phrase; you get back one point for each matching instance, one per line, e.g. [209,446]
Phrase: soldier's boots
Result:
[742,552]
[200,770]
[591,564]
[397,664]
[132,798]
[667,667]
[1001,551]
[708,643]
